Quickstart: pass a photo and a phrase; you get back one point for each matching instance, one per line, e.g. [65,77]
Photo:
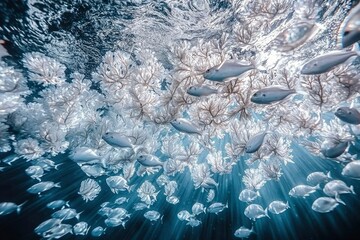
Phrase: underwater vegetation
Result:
[179,119]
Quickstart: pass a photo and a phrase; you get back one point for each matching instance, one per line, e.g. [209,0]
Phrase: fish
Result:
[316,178]
[255,142]
[93,170]
[334,150]
[81,228]
[140,206]
[148,160]
[185,126]
[116,139]
[227,70]
[45,228]
[193,222]
[243,232]
[35,172]
[201,91]
[327,62]
[58,204]
[152,215]
[352,170]
[198,208]
[277,207]
[59,231]
[40,187]
[98,231]
[117,183]
[324,204]
[349,31]
[271,94]
[348,115]
[336,187]
[10,207]
[66,214]
[184,215]
[114,222]
[303,190]
[217,207]
[121,200]
[248,195]
[255,211]
[82,155]
[172,200]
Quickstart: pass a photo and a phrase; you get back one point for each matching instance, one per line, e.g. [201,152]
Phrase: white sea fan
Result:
[89,189]
[44,70]
[28,148]
[201,176]
[53,138]
[254,178]
[219,164]
[147,193]
[170,188]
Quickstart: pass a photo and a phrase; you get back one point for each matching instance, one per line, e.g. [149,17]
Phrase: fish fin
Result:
[131,188]
[67,203]
[287,204]
[352,189]
[317,187]
[258,193]
[267,212]
[221,64]
[78,216]
[337,198]
[258,66]
[356,49]
[57,185]
[329,175]
[87,230]
[18,209]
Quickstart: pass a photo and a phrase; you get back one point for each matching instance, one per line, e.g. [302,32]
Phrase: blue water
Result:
[78,34]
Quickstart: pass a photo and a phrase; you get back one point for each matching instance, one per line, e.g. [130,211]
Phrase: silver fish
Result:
[316,178]
[271,94]
[42,187]
[172,200]
[93,170]
[255,142]
[58,204]
[348,115]
[201,90]
[35,172]
[198,208]
[324,204]
[226,71]
[349,32]
[326,62]
[185,126]
[59,231]
[254,211]
[303,190]
[121,200]
[352,170]
[248,195]
[148,160]
[83,155]
[81,228]
[117,183]
[217,207]
[334,150]
[98,231]
[184,215]
[114,222]
[45,228]
[140,206]
[66,214]
[277,207]
[9,207]
[152,215]
[193,222]
[117,140]
[243,232]
[336,187]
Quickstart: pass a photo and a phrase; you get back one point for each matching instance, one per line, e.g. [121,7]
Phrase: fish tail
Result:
[337,198]
[57,185]
[352,189]
[267,212]
[317,187]
[78,216]
[329,175]
[18,209]
[356,49]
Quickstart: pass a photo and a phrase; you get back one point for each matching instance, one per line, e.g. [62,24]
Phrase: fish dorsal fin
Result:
[221,64]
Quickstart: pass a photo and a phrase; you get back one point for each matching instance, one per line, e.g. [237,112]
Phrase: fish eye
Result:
[255,94]
[208,70]
[315,64]
[349,113]
[264,95]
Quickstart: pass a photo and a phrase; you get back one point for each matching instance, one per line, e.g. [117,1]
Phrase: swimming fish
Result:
[336,187]
[303,190]
[117,140]
[185,126]
[45,228]
[227,70]
[83,155]
[217,207]
[98,231]
[152,215]
[198,208]
[255,142]
[148,160]
[66,214]
[316,178]
[42,187]
[184,215]
[325,63]
[324,204]
[201,90]
[254,211]
[9,207]
[81,228]
[335,150]
[193,222]
[248,195]
[117,183]
[57,204]
[35,172]
[271,94]
[243,232]
[348,115]
[349,32]
[277,207]
[352,170]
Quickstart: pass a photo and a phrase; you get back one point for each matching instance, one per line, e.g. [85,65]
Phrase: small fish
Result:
[57,204]
[148,160]
[45,228]
[93,170]
[303,190]
[201,90]
[98,231]
[117,140]
[42,187]
[152,215]
[217,207]
[140,206]
[35,172]
[336,187]
[327,62]
[254,211]
[198,208]
[226,71]
[243,232]
[185,126]
[120,213]
[121,200]
[172,200]
[352,170]
[255,142]
[117,183]
[9,207]
[248,195]
[66,214]
[271,94]
[83,155]
[193,222]
[81,228]
[324,204]
[348,115]
[114,222]
[349,32]
[59,231]
[277,207]
[316,178]
[184,215]
[334,150]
